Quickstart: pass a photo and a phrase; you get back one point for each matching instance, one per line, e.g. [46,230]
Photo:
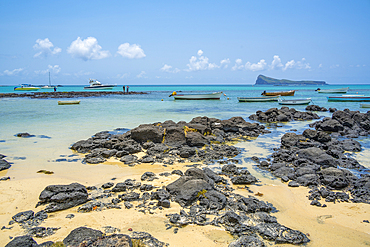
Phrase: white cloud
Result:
[276,63]
[320,65]
[261,65]
[289,65]
[44,48]
[297,65]
[87,49]
[54,69]
[200,63]
[225,63]
[141,75]
[168,68]
[238,65]
[130,51]
[12,72]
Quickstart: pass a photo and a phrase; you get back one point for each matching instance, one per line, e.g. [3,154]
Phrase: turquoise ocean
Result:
[56,127]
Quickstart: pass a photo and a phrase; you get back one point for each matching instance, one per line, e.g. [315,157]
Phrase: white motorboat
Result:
[294,101]
[95,84]
[200,96]
[258,99]
[337,90]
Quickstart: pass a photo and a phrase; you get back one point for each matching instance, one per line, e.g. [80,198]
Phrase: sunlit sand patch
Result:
[22,195]
[363,157]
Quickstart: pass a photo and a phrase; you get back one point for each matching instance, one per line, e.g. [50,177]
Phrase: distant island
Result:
[264,80]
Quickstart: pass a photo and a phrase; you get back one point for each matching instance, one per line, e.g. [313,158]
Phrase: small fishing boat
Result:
[294,101]
[338,90]
[26,87]
[365,105]
[346,98]
[95,84]
[200,96]
[284,93]
[258,99]
[68,102]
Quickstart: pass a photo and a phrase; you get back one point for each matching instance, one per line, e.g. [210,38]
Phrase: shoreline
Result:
[72,94]
[321,225]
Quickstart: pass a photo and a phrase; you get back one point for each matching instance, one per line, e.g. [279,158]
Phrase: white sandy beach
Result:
[339,224]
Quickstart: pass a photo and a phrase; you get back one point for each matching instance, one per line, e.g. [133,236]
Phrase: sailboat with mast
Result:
[48,86]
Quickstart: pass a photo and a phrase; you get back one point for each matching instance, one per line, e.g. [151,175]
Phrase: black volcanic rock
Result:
[201,140]
[284,114]
[60,197]
[4,164]
[22,241]
[81,234]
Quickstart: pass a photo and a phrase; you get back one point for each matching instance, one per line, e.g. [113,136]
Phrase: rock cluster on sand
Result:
[199,140]
[88,237]
[317,159]
[3,163]
[210,202]
[205,196]
[30,221]
[285,114]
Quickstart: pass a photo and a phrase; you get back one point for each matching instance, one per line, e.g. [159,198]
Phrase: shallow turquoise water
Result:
[56,127]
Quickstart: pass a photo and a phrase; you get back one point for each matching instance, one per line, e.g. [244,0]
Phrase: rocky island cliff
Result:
[264,80]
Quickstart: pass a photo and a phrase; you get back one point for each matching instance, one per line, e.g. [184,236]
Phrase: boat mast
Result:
[49,79]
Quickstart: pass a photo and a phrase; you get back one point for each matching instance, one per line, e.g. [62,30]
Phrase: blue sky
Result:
[183,42]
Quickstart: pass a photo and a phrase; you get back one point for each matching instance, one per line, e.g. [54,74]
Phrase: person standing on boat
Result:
[127,89]
[124,88]
[55,89]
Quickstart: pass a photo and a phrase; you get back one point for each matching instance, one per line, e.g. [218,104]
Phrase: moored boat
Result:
[258,99]
[365,105]
[68,102]
[95,84]
[48,86]
[26,87]
[294,101]
[283,93]
[200,96]
[347,98]
[337,90]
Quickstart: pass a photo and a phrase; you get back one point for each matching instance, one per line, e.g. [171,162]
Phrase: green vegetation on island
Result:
[264,80]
